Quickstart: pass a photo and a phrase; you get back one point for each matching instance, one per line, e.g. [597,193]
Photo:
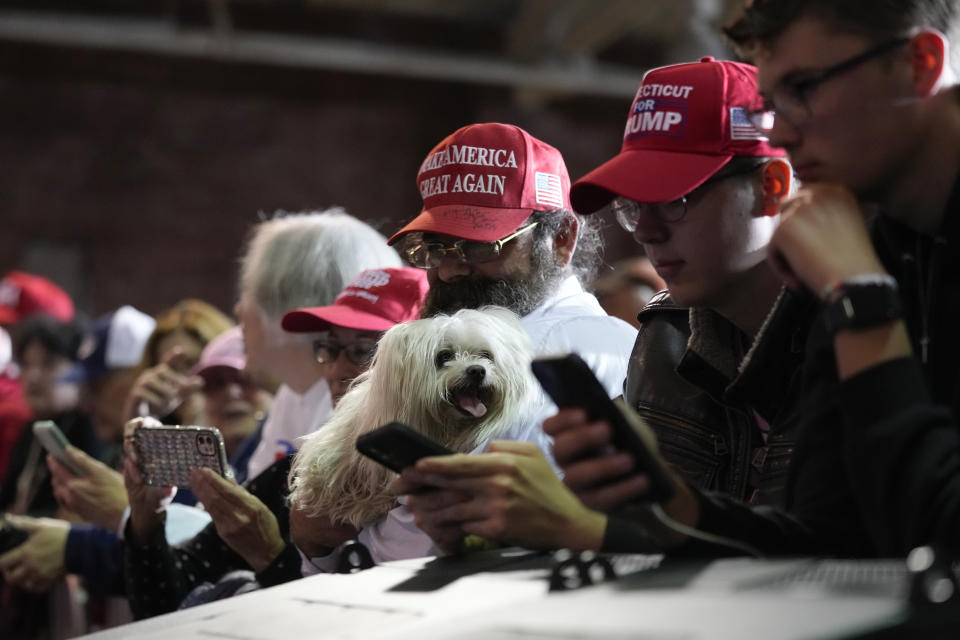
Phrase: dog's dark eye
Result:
[443,357]
[487,355]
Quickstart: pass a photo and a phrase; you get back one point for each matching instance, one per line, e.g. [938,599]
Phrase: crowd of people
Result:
[795,369]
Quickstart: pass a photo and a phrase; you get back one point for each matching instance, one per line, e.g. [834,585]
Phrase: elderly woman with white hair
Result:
[295,261]
[292,262]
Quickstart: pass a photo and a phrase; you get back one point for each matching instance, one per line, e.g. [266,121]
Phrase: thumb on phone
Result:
[82,459]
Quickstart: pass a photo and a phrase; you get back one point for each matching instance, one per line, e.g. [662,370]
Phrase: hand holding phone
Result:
[397,446]
[49,435]
[569,382]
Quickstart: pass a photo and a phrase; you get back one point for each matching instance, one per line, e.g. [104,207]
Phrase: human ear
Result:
[927,58]
[776,185]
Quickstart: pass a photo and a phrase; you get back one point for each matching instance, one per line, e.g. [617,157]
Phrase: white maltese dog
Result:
[461,380]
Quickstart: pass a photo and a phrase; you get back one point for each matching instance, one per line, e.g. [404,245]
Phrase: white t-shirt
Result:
[291,417]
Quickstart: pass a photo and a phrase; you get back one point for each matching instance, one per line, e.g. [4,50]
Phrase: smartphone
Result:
[569,381]
[167,454]
[11,537]
[48,434]
[396,446]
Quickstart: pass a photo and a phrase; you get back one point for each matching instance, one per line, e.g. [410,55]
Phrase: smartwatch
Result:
[862,303]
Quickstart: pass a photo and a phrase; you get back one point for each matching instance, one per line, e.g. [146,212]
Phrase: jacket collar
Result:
[714,358]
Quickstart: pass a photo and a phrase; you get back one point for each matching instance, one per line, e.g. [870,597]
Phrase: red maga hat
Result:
[23,293]
[686,122]
[484,180]
[375,301]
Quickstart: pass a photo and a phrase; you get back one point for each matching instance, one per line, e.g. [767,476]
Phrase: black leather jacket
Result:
[693,379]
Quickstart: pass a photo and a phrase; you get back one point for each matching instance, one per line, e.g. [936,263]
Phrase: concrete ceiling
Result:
[543,49]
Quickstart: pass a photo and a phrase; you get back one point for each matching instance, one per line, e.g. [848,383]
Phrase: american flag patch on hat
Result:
[548,189]
[740,126]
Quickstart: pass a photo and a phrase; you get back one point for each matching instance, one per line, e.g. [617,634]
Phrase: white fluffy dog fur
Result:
[461,380]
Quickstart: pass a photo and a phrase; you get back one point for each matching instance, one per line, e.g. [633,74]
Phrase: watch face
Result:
[862,306]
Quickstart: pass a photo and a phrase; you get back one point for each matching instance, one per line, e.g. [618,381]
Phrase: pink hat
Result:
[484,180]
[23,293]
[375,301]
[687,121]
[225,350]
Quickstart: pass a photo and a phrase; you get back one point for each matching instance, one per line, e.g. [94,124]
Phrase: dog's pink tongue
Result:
[472,405]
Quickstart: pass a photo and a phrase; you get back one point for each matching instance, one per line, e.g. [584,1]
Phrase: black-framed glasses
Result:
[628,212]
[360,353]
[426,254]
[789,99]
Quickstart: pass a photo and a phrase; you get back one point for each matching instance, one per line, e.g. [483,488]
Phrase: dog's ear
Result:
[390,371]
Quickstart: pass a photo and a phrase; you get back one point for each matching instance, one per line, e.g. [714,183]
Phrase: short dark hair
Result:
[764,20]
[588,254]
[60,338]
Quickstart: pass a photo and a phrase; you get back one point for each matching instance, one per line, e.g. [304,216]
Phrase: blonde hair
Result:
[196,318]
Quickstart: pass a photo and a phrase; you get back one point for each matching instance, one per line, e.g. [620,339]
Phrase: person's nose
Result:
[783,134]
[233,390]
[451,269]
[650,229]
[343,369]
[30,374]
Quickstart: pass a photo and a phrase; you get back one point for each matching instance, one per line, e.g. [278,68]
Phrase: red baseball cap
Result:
[686,122]
[375,301]
[484,180]
[24,293]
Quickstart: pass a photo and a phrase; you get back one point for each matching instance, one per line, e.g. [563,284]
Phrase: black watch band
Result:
[862,305]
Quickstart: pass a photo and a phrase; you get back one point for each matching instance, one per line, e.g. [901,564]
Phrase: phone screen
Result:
[570,382]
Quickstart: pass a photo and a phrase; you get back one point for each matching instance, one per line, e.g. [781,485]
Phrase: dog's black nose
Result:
[476,373]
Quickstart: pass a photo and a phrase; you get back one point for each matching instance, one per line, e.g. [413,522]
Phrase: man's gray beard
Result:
[520,296]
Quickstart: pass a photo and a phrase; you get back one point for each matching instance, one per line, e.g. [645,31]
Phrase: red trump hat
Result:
[484,180]
[686,122]
[376,300]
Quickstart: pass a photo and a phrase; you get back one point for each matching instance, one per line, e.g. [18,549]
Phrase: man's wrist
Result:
[862,302]
[834,290]
[585,531]
[859,350]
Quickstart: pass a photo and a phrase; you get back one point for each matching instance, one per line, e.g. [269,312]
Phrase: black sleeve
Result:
[902,455]
[770,531]
[159,576]
[97,555]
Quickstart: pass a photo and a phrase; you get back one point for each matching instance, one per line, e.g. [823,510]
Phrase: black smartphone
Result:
[569,381]
[49,435]
[396,446]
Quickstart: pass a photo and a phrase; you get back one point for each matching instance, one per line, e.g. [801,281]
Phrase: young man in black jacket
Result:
[860,96]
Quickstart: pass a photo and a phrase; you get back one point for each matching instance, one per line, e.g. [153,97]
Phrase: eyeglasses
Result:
[360,353]
[627,211]
[429,255]
[789,100]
